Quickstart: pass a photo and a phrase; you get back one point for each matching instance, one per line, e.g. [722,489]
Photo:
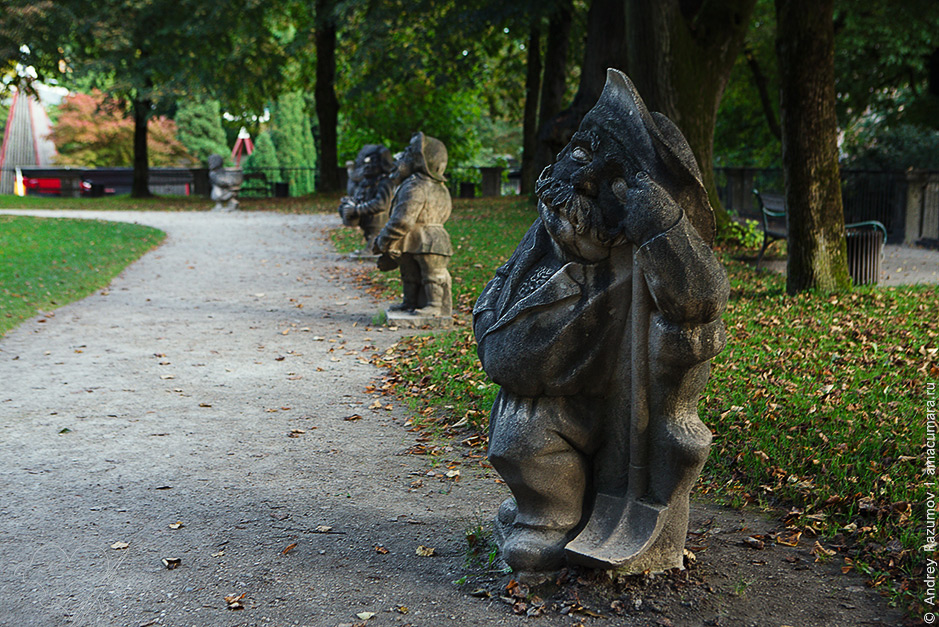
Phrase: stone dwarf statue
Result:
[225,184]
[414,238]
[599,330]
[372,184]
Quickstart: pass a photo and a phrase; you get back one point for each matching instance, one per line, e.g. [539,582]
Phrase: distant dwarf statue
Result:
[414,239]
[372,183]
[225,184]
[599,330]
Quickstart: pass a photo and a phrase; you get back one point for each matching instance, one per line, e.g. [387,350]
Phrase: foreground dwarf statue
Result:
[414,238]
[225,184]
[599,330]
[372,184]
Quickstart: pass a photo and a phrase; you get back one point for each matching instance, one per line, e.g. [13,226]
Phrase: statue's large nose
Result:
[585,181]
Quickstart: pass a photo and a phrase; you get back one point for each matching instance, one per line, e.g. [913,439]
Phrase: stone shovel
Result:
[622,527]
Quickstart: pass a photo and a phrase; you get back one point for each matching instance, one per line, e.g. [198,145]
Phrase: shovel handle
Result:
[639,311]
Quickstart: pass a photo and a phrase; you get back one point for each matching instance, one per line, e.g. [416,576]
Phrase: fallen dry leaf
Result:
[290,547]
[234,602]
[171,562]
[365,615]
[425,551]
[353,417]
[323,529]
[792,540]
[117,546]
[380,549]
[177,525]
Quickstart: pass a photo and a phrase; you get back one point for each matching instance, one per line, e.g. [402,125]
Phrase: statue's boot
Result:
[548,480]
[412,290]
[438,299]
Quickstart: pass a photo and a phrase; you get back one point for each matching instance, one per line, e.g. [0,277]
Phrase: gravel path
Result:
[156,415]
[169,397]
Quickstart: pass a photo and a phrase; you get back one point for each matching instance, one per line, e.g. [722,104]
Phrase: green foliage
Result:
[46,263]
[94,131]
[882,48]
[264,157]
[742,135]
[397,110]
[290,130]
[417,67]
[881,147]
[200,130]
[748,234]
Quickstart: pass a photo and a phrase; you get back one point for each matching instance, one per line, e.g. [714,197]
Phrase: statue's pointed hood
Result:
[433,156]
[652,143]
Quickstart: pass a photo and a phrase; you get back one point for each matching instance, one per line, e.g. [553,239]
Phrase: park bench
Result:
[865,239]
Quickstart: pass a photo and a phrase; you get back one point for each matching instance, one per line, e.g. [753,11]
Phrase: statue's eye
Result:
[581,155]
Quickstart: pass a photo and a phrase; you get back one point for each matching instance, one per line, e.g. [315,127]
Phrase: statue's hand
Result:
[378,246]
[649,209]
[347,207]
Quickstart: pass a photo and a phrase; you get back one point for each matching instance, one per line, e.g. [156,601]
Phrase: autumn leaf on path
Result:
[234,602]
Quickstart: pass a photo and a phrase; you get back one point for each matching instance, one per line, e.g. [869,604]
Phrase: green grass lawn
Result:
[301,204]
[817,404]
[48,262]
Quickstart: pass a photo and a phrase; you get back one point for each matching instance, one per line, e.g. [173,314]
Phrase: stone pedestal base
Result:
[403,319]
[363,255]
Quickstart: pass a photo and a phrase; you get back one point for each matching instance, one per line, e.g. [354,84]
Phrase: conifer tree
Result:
[264,157]
[200,130]
[293,138]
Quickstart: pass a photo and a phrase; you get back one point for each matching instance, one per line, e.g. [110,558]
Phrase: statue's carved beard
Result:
[560,197]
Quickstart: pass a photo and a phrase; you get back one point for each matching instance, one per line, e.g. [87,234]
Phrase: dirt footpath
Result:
[199,430]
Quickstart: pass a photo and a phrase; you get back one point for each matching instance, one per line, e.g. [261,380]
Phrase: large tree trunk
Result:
[327,106]
[680,56]
[554,83]
[141,184]
[805,49]
[605,48]
[530,115]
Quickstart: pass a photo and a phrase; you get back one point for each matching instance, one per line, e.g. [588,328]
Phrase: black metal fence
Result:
[906,203]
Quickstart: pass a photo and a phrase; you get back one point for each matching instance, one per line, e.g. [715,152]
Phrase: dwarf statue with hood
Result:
[373,181]
[414,238]
[599,330]
[225,184]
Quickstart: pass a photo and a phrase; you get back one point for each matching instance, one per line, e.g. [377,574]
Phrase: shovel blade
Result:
[619,530]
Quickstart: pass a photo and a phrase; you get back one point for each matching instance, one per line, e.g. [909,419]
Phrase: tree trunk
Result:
[605,48]
[141,184]
[327,106]
[805,50]
[680,56]
[530,115]
[554,83]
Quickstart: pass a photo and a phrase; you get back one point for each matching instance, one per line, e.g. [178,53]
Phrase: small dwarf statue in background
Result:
[599,330]
[372,183]
[225,184]
[414,239]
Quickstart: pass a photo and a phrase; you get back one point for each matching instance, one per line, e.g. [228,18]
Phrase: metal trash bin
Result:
[865,251]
